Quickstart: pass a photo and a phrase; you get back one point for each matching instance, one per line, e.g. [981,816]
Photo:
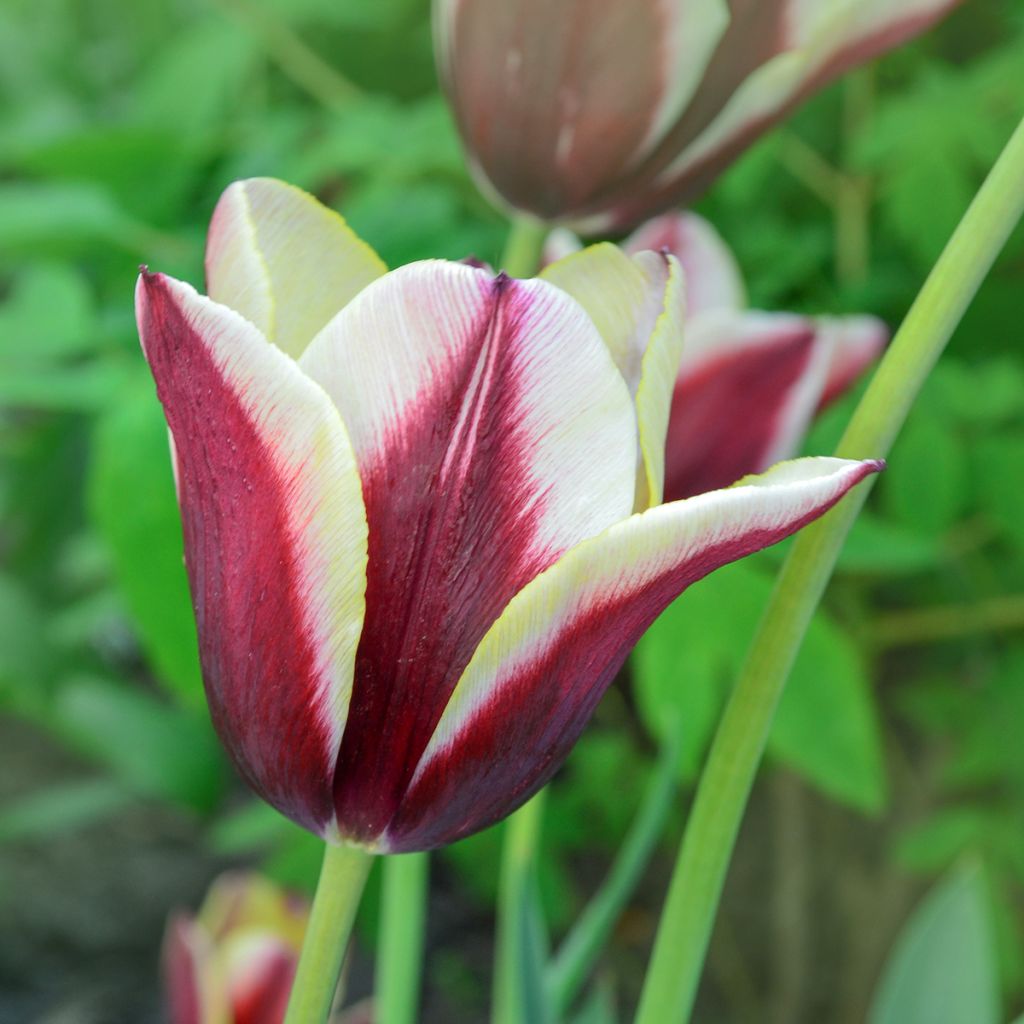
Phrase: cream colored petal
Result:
[637,304]
[283,260]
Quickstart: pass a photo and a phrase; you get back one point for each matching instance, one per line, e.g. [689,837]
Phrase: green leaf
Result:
[998,467]
[925,485]
[132,503]
[49,312]
[24,652]
[154,749]
[59,810]
[826,726]
[943,967]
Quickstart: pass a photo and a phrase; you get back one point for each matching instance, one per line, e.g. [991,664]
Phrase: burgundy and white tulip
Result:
[601,112]
[234,962]
[420,511]
[749,382]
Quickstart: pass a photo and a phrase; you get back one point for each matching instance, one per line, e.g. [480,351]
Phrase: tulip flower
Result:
[421,514]
[600,113]
[749,382]
[235,961]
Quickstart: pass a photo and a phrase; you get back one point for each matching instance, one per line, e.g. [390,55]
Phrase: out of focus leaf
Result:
[826,726]
[49,312]
[61,809]
[23,647]
[154,749]
[925,485]
[132,503]
[943,969]
[936,843]
[998,467]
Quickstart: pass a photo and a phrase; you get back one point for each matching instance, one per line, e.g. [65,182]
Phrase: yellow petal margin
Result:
[638,306]
[285,261]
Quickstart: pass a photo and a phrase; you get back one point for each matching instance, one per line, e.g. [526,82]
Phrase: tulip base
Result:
[338,891]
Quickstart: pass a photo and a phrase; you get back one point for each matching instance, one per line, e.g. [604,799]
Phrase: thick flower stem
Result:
[689,912]
[521,833]
[342,877]
[515,943]
[400,946]
[521,257]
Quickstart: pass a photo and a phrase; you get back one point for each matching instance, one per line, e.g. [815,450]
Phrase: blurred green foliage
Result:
[119,129]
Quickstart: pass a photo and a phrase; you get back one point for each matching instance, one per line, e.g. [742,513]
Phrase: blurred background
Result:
[897,760]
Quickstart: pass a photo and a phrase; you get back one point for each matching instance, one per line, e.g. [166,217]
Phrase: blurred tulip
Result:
[749,382]
[416,510]
[234,962]
[600,113]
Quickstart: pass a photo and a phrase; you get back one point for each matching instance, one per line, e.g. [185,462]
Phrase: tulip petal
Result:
[541,669]
[856,342]
[638,306]
[275,541]
[492,433]
[713,279]
[747,389]
[284,261]
[775,55]
[571,114]
[260,970]
[192,992]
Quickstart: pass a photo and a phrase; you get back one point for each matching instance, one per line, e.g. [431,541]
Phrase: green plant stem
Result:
[400,946]
[521,832]
[521,257]
[926,625]
[688,916]
[520,841]
[342,877]
[582,946]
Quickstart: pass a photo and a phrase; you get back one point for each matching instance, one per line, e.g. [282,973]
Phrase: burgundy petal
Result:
[275,543]
[493,432]
[541,670]
[732,404]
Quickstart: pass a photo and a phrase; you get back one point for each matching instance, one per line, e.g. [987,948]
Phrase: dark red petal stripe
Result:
[726,413]
[257,660]
[513,743]
[456,510]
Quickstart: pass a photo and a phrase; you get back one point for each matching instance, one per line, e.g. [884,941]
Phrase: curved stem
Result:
[521,833]
[521,257]
[342,877]
[515,940]
[575,958]
[689,913]
[400,946]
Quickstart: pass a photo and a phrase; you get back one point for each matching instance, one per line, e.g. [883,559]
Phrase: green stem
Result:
[521,835]
[342,878]
[690,908]
[521,257]
[582,946]
[927,625]
[513,946]
[400,946]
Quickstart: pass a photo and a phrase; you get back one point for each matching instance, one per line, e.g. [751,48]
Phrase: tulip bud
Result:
[599,112]
[234,962]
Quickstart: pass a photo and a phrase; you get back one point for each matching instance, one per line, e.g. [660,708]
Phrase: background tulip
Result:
[412,549]
[233,963]
[601,113]
[749,382]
